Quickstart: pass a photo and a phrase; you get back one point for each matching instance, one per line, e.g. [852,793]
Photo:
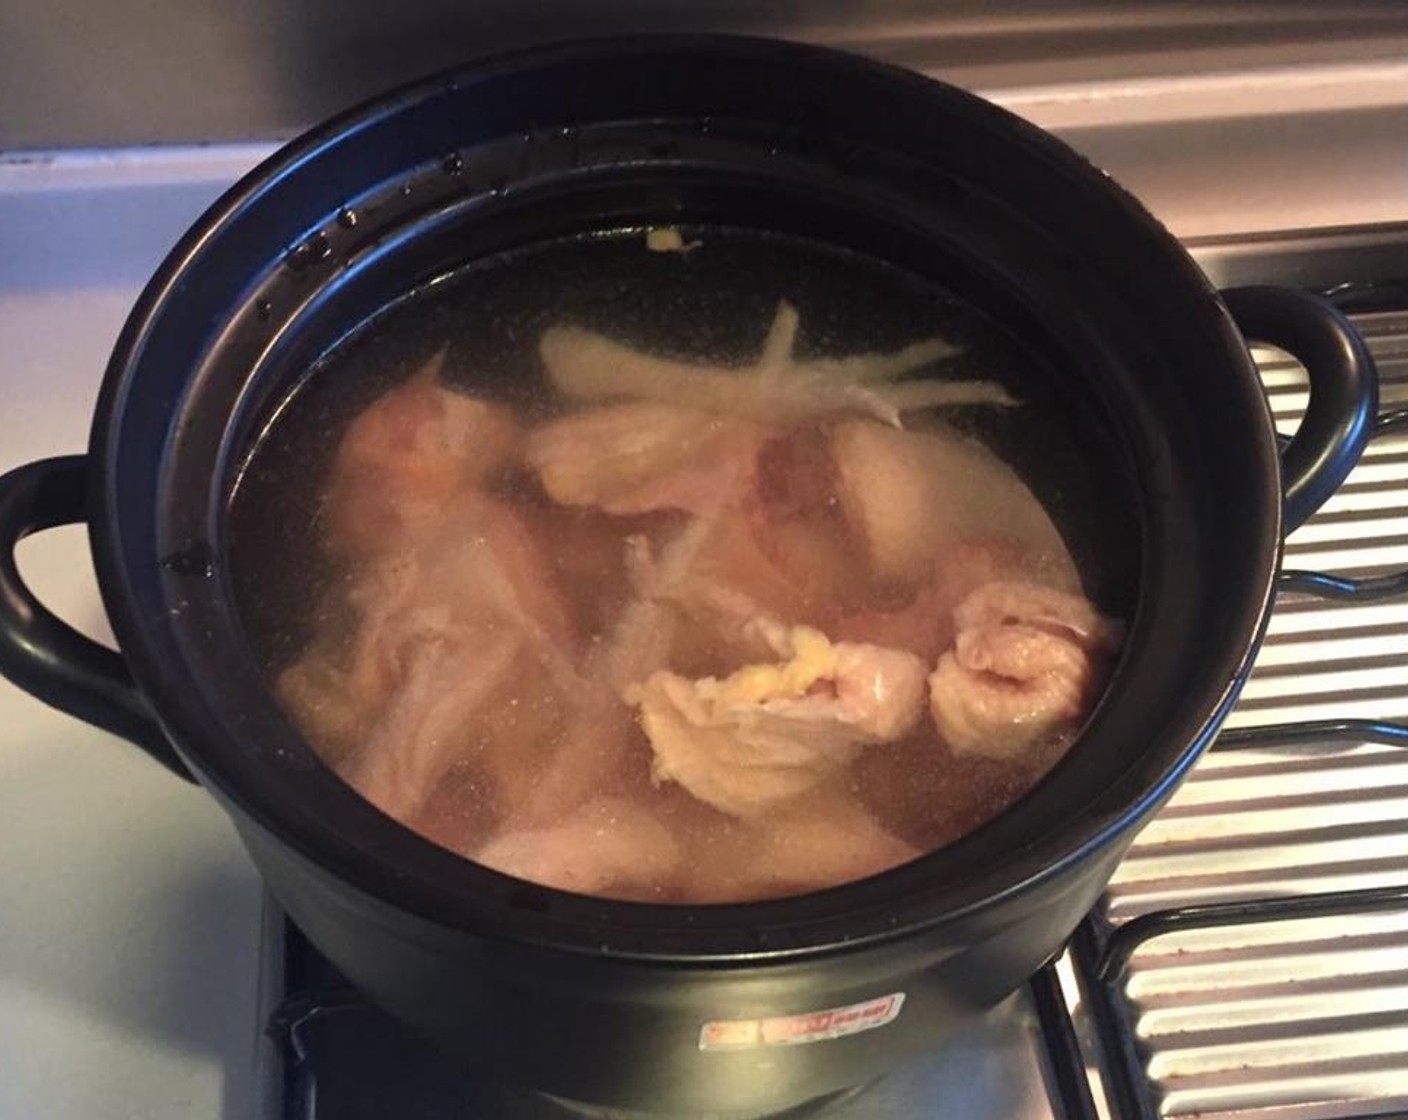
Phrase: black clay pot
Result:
[608,1001]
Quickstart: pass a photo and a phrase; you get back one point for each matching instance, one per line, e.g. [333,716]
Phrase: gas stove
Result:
[1250,958]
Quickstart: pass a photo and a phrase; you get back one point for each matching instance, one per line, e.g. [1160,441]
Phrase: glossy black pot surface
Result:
[621,1002]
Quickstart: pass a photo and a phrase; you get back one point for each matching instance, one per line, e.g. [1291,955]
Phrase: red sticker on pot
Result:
[790,1030]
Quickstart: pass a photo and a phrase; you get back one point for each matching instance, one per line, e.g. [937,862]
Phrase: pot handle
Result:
[43,654]
[1344,388]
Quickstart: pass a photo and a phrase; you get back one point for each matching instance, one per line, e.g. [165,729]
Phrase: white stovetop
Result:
[129,916]
[130,920]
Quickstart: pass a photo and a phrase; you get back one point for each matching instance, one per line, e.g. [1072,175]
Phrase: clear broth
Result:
[713,302]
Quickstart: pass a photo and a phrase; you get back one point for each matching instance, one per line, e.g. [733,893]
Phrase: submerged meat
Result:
[644,635]
[769,732]
[609,846]
[332,712]
[778,549]
[448,635]
[1026,663]
[913,496]
[641,456]
[778,388]
[406,456]
[740,573]
[427,726]
[698,597]
[796,523]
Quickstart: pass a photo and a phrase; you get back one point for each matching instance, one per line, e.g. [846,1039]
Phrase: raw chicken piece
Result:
[739,574]
[645,633]
[530,758]
[329,710]
[770,554]
[428,727]
[464,652]
[1027,663]
[1012,601]
[756,543]
[769,732]
[485,567]
[406,457]
[795,518]
[337,690]
[779,547]
[911,496]
[640,456]
[924,624]
[804,846]
[778,388]
[609,846]
[698,597]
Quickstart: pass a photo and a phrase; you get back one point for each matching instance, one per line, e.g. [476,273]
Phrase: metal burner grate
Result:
[1251,955]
